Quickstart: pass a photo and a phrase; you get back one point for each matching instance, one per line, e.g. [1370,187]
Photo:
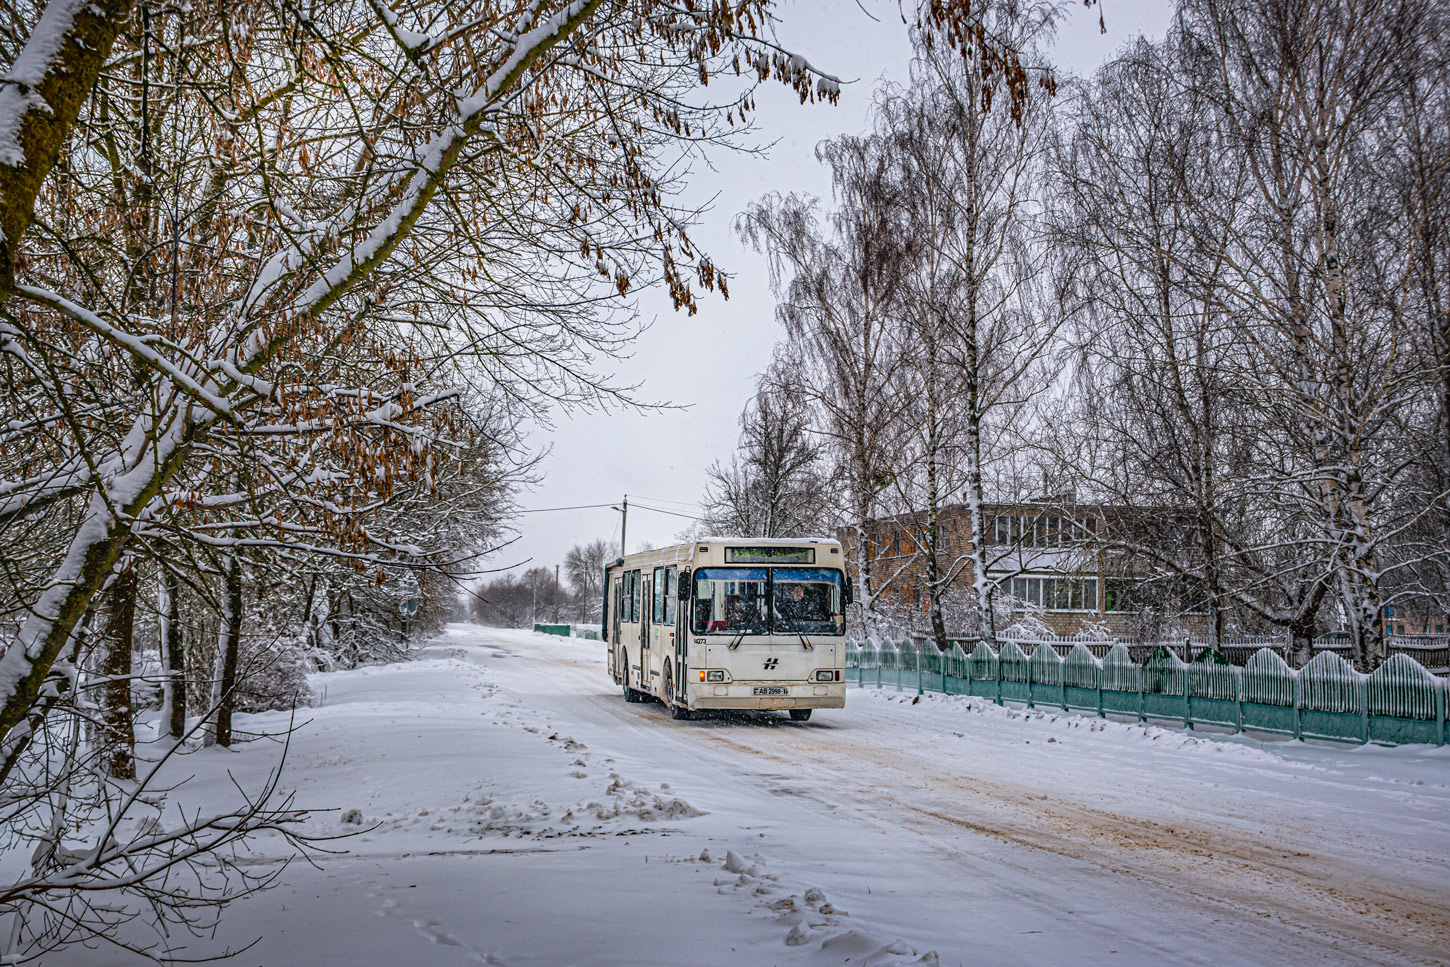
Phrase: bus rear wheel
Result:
[800,715]
[630,695]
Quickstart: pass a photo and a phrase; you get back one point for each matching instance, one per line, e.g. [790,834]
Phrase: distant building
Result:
[1047,560]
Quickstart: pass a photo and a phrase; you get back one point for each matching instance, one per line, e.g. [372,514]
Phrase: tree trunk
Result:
[864,595]
[119,736]
[173,657]
[232,630]
[58,686]
[934,584]
[1301,641]
[69,65]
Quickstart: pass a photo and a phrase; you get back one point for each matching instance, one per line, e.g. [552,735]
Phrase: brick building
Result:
[1047,560]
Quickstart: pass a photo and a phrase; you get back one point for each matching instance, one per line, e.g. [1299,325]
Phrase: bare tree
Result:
[1298,93]
[773,486]
[1158,357]
[980,327]
[584,568]
[837,287]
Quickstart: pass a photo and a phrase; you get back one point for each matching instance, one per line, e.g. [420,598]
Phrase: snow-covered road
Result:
[527,815]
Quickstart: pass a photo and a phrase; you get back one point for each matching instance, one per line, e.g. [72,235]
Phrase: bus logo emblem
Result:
[770,663]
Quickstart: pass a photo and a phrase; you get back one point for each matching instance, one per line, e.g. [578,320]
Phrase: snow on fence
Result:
[1431,652]
[1401,702]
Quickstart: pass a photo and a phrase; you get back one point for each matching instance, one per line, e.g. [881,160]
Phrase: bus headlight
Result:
[718,676]
[825,675]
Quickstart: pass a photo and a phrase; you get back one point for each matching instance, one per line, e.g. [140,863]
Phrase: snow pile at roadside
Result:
[1056,723]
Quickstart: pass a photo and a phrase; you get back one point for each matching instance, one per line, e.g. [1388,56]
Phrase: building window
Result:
[1118,596]
[1052,593]
[1040,530]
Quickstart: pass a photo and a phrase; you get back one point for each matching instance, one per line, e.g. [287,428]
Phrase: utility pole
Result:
[623,527]
[556,594]
[534,592]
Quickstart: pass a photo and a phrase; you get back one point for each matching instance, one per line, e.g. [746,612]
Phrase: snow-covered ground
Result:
[522,813]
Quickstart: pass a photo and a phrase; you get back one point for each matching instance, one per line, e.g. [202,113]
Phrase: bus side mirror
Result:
[683,586]
[850,592]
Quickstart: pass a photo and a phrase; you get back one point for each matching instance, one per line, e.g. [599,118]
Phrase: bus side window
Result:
[670,595]
[635,611]
[657,587]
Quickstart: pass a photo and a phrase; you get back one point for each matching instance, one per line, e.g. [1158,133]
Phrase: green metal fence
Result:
[1401,702]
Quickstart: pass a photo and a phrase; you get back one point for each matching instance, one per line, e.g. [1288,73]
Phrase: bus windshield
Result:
[730,600]
[761,601]
[807,601]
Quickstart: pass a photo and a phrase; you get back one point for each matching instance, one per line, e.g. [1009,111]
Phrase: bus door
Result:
[677,630]
[660,632]
[645,684]
[616,605]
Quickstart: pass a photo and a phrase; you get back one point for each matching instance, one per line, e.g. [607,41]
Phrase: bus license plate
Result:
[770,690]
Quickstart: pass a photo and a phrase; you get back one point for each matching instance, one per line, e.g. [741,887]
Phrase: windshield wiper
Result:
[806,642]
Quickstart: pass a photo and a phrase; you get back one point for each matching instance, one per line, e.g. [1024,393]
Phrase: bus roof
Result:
[766,540]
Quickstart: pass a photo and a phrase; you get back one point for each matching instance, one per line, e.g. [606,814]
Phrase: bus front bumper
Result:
[741,695]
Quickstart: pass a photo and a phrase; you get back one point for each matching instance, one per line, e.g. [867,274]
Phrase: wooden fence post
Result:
[1239,696]
[999,674]
[1440,687]
[1298,707]
[1364,710]
[1029,675]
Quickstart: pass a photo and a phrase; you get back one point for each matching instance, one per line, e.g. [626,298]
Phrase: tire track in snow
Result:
[1333,906]
[1319,896]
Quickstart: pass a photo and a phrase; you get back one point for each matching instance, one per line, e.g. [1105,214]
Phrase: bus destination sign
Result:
[770,555]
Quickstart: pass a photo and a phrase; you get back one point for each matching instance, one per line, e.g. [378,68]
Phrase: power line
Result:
[546,510]
[672,513]
[669,500]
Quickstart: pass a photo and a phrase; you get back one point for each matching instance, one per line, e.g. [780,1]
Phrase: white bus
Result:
[730,623]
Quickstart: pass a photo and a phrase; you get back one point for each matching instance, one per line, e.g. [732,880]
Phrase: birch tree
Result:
[1298,91]
[837,286]
[980,327]
[1159,355]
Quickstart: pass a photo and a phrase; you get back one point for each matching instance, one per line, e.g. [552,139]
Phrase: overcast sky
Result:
[706,365]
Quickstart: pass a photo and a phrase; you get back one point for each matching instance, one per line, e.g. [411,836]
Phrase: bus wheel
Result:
[681,713]
[669,684]
[800,715]
[630,695]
